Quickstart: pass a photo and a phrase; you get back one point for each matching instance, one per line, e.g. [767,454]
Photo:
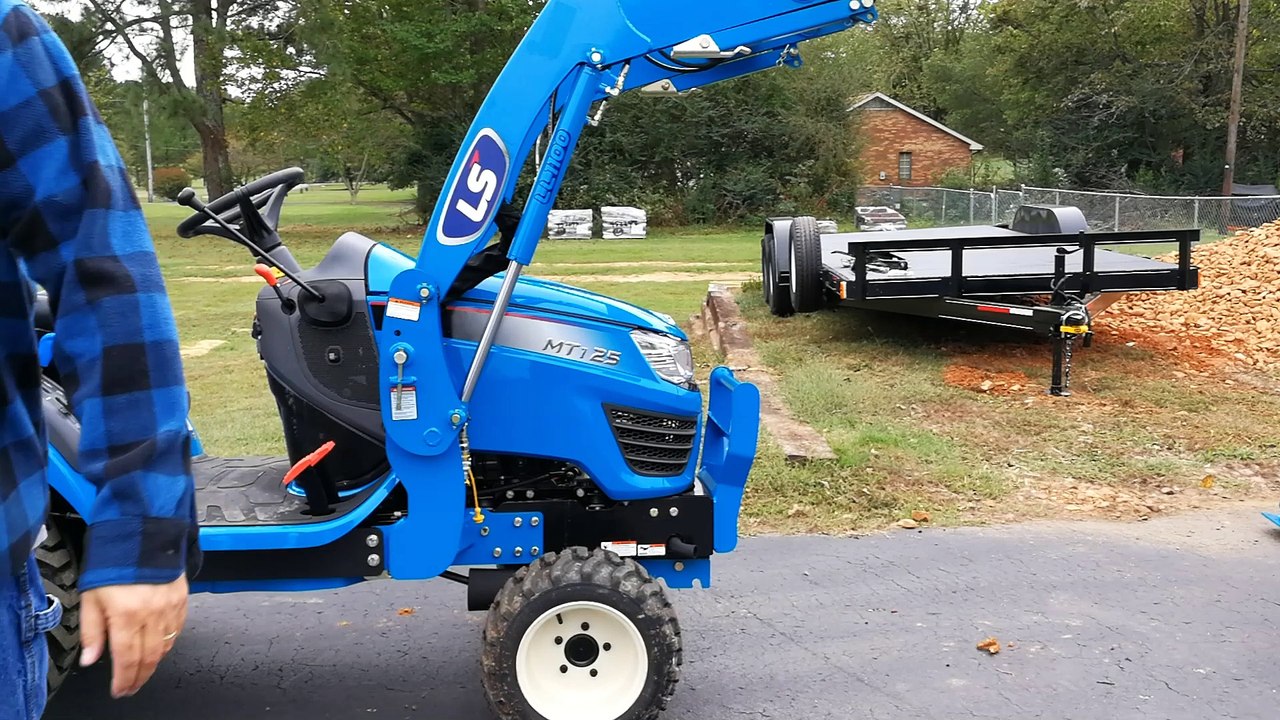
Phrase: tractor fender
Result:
[63,432]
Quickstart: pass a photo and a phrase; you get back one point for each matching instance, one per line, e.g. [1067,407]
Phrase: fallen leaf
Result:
[405,611]
[908,524]
[343,623]
[1208,482]
[991,645]
[920,516]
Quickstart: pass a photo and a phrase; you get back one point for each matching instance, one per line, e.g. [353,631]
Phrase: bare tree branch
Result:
[148,63]
[169,49]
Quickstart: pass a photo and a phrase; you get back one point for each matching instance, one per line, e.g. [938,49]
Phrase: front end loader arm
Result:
[576,54]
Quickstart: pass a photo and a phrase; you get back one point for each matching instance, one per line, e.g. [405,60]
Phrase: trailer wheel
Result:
[61,574]
[581,635]
[806,265]
[776,297]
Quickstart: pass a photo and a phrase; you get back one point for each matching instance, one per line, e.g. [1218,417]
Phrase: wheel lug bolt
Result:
[607,647]
[559,640]
[586,627]
[564,668]
[594,672]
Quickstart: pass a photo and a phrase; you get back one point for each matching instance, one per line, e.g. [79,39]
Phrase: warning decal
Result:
[404,403]
[404,310]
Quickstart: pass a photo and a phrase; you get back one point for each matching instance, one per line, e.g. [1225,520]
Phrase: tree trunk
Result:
[218,178]
[355,180]
[208,44]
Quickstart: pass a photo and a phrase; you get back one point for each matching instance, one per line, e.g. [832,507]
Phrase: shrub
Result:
[169,181]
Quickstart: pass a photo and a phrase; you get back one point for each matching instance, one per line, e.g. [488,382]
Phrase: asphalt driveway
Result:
[1174,618]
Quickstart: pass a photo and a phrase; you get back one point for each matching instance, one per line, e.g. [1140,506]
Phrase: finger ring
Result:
[170,636]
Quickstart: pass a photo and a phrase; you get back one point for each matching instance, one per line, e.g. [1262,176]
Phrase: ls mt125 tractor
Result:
[445,417]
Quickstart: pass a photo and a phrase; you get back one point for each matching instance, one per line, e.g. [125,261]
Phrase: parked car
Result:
[879,218]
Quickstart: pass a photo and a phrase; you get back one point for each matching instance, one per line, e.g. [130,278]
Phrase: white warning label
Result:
[404,403]
[624,548]
[404,310]
[651,550]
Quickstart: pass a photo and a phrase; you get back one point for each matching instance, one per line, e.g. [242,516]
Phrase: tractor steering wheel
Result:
[264,196]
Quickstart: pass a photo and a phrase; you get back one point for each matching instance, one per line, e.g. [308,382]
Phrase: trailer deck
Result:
[994,260]
[1046,273]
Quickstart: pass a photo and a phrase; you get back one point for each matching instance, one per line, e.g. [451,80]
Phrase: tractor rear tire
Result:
[60,572]
[806,265]
[581,635]
[776,297]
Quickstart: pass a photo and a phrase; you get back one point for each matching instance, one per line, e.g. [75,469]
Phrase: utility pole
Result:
[146,133]
[1237,81]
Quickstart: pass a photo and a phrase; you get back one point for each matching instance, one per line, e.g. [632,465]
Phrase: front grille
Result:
[652,444]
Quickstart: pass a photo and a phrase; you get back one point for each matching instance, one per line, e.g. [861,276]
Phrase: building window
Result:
[904,166]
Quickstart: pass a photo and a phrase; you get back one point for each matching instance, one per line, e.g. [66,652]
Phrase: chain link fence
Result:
[934,206]
[927,206]
[1119,211]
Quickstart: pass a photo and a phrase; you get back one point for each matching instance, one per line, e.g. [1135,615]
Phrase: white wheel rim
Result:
[556,678]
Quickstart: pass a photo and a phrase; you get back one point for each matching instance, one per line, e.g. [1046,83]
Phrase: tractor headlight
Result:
[670,357]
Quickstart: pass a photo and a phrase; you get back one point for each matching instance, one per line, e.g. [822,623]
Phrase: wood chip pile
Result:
[1236,310]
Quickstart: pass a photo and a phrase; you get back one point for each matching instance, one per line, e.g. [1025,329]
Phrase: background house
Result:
[902,146]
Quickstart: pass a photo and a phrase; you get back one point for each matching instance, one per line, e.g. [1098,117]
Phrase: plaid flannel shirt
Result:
[69,221]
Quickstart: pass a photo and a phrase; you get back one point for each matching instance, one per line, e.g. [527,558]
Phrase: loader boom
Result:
[576,56]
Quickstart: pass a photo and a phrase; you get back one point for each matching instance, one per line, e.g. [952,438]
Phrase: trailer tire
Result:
[60,572]
[776,296]
[806,265]
[543,661]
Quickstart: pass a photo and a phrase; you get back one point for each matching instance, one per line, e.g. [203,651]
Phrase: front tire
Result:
[60,572]
[581,635]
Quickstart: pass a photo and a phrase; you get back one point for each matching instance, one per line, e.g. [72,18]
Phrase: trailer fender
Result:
[1049,220]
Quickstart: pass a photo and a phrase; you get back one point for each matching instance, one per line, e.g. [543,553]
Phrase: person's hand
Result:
[141,622]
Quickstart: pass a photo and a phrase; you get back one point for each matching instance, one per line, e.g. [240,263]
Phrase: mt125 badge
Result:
[477,191]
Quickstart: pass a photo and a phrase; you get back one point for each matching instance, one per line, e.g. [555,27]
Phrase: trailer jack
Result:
[1074,327]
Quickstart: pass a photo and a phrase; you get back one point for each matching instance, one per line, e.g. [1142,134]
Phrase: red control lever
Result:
[307,462]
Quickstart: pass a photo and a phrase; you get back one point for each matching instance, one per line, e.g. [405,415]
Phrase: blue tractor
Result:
[445,417]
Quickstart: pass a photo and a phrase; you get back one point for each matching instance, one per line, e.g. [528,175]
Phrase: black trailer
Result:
[1044,272]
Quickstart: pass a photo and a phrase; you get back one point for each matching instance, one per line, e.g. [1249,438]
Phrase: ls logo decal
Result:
[475,195]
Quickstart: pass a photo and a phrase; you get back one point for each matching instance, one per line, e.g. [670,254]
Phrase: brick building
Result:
[904,147]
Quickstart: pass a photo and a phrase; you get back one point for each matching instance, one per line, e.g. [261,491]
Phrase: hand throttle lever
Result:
[266,273]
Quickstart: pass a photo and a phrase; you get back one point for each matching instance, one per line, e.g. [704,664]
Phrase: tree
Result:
[909,34]
[1114,92]
[330,124]
[150,31]
[429,64]
[704,158]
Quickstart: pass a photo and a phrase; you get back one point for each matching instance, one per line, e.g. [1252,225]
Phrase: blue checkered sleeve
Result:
[69,220]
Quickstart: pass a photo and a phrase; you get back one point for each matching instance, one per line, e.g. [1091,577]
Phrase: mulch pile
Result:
[1234,315]
[985,381]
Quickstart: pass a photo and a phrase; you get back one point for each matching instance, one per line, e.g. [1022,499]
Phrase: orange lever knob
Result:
[266,273]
